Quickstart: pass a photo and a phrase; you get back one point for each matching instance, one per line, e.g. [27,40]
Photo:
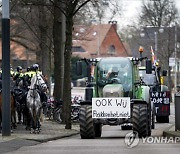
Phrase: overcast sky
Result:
[132,10]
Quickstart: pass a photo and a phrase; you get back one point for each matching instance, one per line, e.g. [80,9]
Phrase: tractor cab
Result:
[149,79]
[114,77]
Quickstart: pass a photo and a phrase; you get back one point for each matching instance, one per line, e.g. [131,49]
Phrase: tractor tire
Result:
[153,118]
[140,119]
[150,119]
[98,130]
[126,127]
[86,122]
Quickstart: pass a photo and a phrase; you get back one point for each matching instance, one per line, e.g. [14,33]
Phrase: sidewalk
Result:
[50,130]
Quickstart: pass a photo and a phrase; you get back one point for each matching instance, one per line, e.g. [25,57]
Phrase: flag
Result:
[153,56]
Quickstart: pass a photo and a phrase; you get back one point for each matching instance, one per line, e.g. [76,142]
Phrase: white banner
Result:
[118,107]
[172,62]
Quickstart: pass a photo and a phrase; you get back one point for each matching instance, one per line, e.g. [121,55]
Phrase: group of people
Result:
[20,82]
[30,72]
[20,74]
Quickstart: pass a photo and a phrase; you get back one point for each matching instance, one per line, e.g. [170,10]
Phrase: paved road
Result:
[112,141]
[78,91]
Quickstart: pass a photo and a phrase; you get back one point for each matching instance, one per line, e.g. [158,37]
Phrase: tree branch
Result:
[79,7]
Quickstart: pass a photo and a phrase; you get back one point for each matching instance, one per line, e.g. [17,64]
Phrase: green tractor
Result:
[115,95]
[159,92]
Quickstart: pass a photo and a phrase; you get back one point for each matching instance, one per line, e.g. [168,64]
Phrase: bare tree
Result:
[58,48]
[158,13]
[45,30]
[101,10]
[71,8]
[161,14]
[32,29]
[19,30]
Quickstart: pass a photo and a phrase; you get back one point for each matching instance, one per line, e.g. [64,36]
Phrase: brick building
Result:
[98,41]
[19,55]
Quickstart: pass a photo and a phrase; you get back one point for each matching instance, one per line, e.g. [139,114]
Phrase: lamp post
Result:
[160,30]
[6,127]
[175,56]
[155,42]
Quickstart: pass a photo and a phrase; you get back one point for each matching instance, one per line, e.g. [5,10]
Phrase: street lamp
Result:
[160,30]
[175,56]
[155,41]
[6,125]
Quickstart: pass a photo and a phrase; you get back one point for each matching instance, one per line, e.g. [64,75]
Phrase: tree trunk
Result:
[57,39]
[67,66]
[45,57]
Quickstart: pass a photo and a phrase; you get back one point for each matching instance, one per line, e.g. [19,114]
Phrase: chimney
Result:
[114,24]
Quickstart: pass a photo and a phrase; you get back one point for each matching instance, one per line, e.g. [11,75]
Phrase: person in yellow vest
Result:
[18,87]
[32,70]
[35,70]
[18,75]
[29,73]
[12,73]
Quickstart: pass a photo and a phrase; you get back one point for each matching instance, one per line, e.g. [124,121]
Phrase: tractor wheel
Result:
[98,130]
[149,121]
[153,118]
[126,127]
[86,122]
[140,119]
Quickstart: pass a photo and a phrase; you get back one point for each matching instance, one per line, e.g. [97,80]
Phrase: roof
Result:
[90,38]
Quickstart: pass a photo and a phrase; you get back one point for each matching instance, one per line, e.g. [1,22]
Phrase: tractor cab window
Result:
[149,79]
[116,71]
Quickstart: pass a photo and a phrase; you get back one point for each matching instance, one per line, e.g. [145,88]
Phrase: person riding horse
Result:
[35,70]
[20,92]
[36,95]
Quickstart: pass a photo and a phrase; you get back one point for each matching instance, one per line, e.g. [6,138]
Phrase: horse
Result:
[34,101]
[20,92]
[12,110]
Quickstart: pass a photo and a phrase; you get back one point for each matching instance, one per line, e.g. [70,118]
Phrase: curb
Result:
[53,137]
[14,143]
[170,133]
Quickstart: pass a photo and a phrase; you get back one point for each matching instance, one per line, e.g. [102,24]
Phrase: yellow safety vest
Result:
[30,74]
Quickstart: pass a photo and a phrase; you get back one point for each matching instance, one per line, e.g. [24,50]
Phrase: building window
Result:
[112,49]
[77,49]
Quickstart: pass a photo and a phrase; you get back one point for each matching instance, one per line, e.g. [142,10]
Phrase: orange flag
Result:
[153,56]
